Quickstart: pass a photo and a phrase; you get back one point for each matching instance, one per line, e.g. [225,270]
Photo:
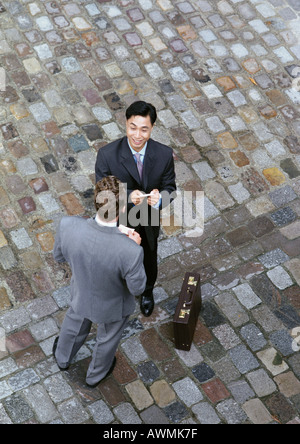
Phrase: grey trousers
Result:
[73,334]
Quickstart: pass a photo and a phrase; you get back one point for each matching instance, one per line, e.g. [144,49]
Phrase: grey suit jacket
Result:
[107,267]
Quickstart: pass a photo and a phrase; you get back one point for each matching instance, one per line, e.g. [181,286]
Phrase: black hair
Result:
[142,109]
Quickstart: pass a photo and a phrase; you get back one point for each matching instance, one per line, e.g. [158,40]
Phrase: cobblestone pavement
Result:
[223,75]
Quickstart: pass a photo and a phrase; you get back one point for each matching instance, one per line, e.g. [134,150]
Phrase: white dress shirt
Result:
[142,157]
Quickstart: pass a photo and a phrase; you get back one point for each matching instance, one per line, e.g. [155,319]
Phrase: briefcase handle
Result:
[190,301]
[192,283]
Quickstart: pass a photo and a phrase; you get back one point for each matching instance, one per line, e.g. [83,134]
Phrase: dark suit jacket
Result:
[158,172]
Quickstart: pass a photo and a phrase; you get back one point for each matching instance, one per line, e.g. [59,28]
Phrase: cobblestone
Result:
[223,77]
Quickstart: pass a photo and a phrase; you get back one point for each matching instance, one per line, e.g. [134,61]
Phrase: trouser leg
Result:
[150,262]
[74,332]
[107,342]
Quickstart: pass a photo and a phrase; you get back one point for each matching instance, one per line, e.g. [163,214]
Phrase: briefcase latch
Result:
[192,281]
[183,313]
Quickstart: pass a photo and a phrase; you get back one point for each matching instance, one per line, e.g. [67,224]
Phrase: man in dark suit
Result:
[146,167]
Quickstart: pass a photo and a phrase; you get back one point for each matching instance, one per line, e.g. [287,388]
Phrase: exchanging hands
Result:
[131,233]
[137,197]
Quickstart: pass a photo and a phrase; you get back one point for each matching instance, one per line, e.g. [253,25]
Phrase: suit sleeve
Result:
[136,276]
[102,168]
[57,252]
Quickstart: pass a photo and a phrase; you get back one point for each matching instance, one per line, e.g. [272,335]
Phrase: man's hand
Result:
[136,197]
[154,198]
[135,237]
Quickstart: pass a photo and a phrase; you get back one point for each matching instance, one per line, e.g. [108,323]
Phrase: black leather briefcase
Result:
[187,311]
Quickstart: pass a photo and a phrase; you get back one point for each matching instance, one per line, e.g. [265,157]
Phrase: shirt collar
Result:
[105,224]
[142,153]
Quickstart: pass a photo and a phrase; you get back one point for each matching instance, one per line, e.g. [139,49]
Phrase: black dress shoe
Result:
[107,375]
[62,369]
[147,305]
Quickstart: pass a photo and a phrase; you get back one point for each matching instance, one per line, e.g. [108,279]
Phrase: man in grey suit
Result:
[107,274]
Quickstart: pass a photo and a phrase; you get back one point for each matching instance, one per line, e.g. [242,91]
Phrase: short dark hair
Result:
[110,195]
[142,109]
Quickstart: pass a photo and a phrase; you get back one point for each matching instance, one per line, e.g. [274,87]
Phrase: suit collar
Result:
[104,229]
[128,161]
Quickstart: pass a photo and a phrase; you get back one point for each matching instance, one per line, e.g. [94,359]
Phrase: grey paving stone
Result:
[261,383]
[188,392]
[232,309]
[176,412]
[274,258]
[58,389]
[243,359]
[73,412]
[241,391]
[283,342]
[254,337]
[18,409]
[126,414]
[169,247]
[37,396]
[148,372]
[23,379]
[205,413]
[232,412]
[101,413]
[154,415]
[134,350]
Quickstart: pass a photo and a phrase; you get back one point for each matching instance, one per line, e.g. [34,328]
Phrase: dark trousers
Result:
[150,261]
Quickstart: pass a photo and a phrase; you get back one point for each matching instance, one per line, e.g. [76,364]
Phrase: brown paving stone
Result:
[240,158]
[173,370]
[249,141]
[19,341]
[227,83]
[18,149]
[254,182]
[72,204]
[46,241]
[154,345]
[29,357]
[20,286]
[274,176]
[268,112]
[4,299]
[43,282]
[39,185]
[8,218]
[261,226]
[112,392]
[215,390]
[202,334]
[227,141]
[293,296]
[123,373]
[280,408]
[239,237]
[27,205]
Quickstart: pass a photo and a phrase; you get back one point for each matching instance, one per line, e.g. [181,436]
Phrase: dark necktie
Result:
[139,165]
